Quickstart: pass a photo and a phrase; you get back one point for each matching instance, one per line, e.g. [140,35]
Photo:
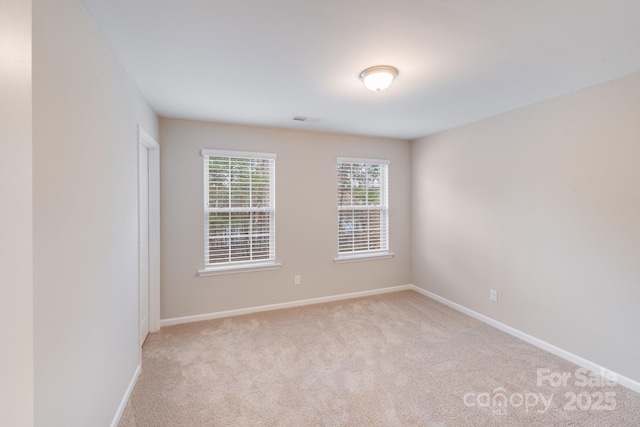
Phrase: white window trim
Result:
[368,255]
[364,257]
[240,154]
[248,266]
[240,268]
[359,160]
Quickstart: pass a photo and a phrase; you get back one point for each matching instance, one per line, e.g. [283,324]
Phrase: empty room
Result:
[278,213]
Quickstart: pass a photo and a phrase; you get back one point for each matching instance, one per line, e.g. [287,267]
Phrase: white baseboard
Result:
[125,398]
[299,303]
[587,364]
[580,361]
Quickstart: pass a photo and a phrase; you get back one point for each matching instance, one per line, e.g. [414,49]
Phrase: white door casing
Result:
[143,241]
[148,234]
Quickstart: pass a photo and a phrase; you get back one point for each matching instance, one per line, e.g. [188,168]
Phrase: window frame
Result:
[368,254]
[244,265]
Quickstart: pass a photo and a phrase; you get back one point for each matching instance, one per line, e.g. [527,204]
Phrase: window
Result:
[239,210]
[363,208]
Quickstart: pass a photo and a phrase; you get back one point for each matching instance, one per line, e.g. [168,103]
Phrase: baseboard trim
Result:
[290,304]
[580,361]
[125,398]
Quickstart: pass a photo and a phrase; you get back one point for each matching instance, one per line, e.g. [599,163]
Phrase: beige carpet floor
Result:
[396,359]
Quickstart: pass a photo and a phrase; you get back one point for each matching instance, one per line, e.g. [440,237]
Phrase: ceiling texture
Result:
[262,62]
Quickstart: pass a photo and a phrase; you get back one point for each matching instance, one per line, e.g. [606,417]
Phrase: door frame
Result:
[147,141]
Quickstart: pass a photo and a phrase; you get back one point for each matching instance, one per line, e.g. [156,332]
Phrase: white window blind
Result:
[239,208]
[363,207]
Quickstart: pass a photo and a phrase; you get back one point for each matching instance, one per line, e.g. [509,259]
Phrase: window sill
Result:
[245,268]
[363,257]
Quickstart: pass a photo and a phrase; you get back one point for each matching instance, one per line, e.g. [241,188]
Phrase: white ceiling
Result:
[263,62]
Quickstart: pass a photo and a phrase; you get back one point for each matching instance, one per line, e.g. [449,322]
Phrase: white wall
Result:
[86,110]
[542,204]
[306,217]
[16,250]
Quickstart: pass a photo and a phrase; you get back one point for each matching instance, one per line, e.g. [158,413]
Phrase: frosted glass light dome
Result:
[379,77]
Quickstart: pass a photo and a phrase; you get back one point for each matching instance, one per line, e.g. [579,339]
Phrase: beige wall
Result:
[542,204]
[306,217]
[85,113]
[16,249]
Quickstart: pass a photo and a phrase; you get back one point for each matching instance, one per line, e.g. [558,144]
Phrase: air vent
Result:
[306,119]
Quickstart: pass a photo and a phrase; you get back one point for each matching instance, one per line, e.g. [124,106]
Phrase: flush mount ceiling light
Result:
[379,77]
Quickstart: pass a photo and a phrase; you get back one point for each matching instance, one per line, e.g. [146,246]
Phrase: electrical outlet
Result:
[297,279]
[493,295]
